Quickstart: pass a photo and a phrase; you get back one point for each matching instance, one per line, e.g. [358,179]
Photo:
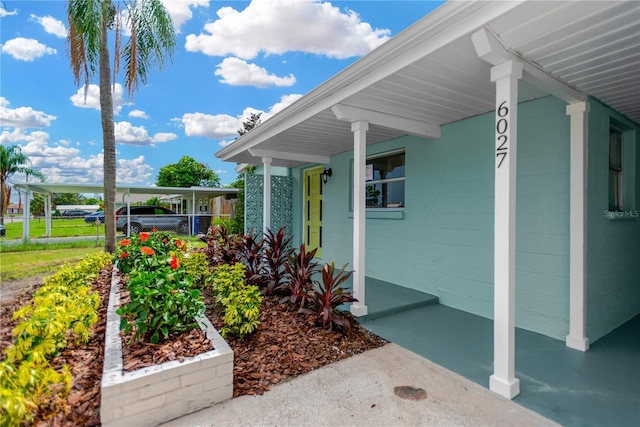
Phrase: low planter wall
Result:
[155,394]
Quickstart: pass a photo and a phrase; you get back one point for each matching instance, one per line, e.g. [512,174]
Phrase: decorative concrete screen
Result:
[281,203]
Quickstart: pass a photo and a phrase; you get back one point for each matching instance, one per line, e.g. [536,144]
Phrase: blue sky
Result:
[232,58]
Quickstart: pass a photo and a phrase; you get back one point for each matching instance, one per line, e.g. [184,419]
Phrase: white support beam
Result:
[359,129]
[489,48]
[577,338]
[412,127]
[27,213]
[503,381]
[296,157]
[241,167]
[47,214]
[266,195]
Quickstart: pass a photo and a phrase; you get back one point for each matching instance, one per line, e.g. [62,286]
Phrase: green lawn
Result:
[60,227]
[19,264]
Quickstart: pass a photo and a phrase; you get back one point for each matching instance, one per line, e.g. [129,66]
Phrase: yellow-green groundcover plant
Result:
[64,309]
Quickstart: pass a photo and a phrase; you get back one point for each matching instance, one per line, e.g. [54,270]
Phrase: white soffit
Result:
[592,45]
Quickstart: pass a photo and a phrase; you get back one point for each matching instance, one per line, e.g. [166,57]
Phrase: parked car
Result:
[75,213]
[3,231]
[90,219]
[146,218]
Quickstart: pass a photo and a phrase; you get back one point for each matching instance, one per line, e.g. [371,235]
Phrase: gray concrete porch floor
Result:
[600,387]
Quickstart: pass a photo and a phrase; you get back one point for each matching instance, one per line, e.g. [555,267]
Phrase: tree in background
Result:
[36,206]
[67,199]
[12,161]
[154,201]
[237,224]
[150,41]
[187,173]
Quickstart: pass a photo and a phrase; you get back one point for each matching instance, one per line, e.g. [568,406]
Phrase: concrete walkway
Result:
[359,391]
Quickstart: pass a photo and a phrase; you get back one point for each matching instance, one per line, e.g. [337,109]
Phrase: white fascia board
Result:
[295,157]
[413,127]
[444,25]
[489,48]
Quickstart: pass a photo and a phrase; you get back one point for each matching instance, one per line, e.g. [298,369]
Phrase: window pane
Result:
[385,195]
[388,167]
[614,190]
[615,149]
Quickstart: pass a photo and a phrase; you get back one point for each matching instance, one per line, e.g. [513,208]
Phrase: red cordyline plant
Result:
[298,275]
[250,252]
[325,300]
[276,254]
[222,246]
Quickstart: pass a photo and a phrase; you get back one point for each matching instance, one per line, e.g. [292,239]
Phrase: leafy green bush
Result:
[197,267]
[239,301]
[163,296]
[63,309]
[163,301]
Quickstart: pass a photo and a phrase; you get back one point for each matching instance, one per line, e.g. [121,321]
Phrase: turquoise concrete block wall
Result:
[442,241]
[613,245]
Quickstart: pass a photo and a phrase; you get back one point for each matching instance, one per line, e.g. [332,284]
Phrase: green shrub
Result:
[240,302]
[197,267]
[64,308]
[163,301]
[241,311]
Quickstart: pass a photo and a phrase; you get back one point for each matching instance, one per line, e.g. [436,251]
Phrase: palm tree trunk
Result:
[108,136]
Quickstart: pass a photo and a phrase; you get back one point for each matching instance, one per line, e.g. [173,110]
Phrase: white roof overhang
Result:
[438,71]
[187,192]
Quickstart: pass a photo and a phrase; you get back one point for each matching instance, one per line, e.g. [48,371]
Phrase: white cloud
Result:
[23,117]
[93,98]
[126,133]
[225,142]
[285,101]
[237,72]
[51,25]
[180,11]
[224,126]
[212,126]
[138,114]
[62,164]
[4,12]
[280,26]
[26,49]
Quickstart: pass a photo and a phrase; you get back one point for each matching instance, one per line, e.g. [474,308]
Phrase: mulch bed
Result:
[285,345]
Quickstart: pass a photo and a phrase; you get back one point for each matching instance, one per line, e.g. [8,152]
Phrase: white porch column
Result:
[266,195]
[359,129]
[503,380]
[577,337]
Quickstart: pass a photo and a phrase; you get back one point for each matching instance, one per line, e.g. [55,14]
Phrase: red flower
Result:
[178,243]
[174,262]
[154,229]
[144,237]
[125,242]
[165,240]
[146,250]
[124,255]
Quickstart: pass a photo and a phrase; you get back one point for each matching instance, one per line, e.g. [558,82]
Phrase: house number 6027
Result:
[501,127]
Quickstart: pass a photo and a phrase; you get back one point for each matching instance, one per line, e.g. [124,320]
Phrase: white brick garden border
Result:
[155,394]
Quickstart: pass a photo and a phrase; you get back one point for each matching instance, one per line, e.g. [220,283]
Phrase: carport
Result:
[189,194]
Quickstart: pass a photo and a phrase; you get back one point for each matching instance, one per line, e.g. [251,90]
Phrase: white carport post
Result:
[359,129]
[266,195]
[27,214]
[47,214]
[577,338]
[506,76]
[193,213]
